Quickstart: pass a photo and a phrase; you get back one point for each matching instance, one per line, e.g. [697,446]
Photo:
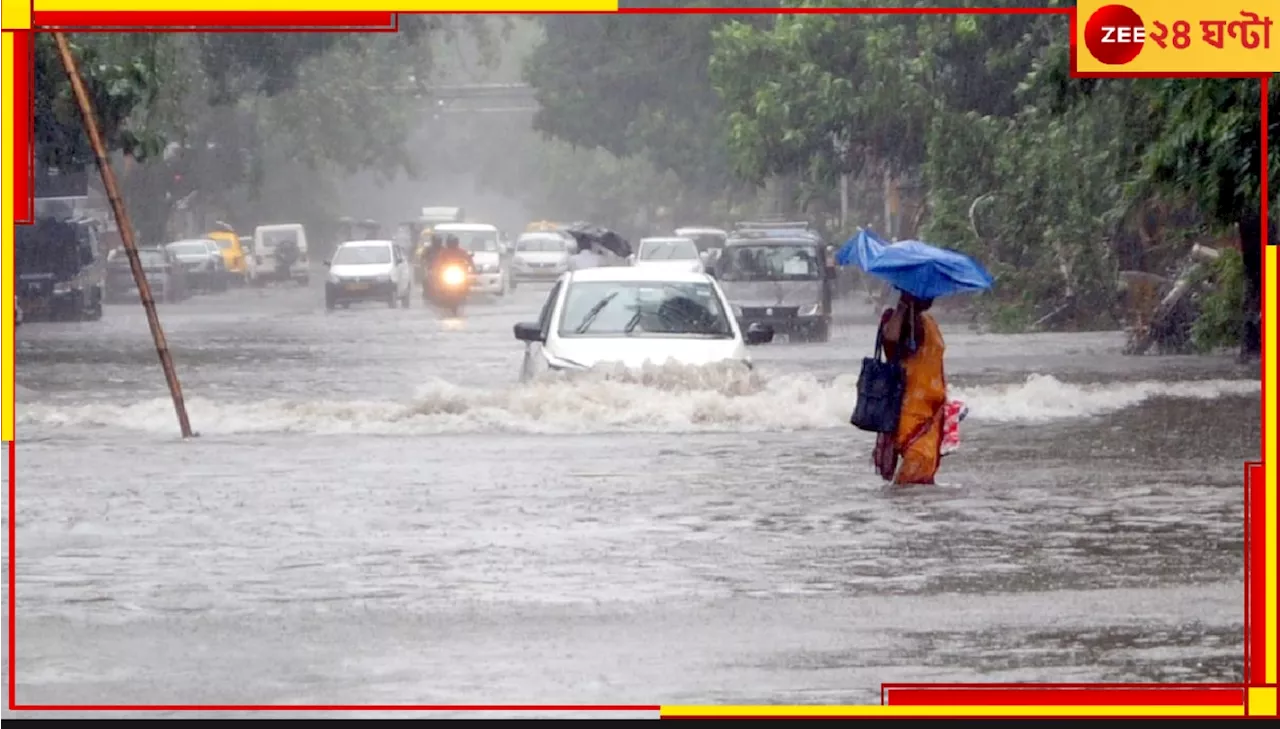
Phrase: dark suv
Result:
[60,271]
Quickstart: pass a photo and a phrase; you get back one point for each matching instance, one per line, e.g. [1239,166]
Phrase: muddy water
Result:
[376,511]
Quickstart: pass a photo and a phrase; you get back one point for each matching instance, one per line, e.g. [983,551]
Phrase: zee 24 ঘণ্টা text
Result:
[1215,32]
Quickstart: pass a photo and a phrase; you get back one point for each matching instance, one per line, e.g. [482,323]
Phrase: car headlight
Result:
[487,268]
[811,310]
[64,287]
[333,279]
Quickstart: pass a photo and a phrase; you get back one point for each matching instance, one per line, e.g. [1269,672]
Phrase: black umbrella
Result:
[587,234]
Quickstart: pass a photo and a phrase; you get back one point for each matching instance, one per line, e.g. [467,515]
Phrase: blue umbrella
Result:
[918,268]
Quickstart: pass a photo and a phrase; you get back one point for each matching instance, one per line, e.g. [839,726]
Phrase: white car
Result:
[488,251]
[540,256]
[669,254]
[636,315]
[368,270]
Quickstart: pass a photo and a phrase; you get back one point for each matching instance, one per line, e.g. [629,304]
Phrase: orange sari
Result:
[913,454]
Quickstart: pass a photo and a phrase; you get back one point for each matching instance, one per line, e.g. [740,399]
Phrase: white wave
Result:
[670,398]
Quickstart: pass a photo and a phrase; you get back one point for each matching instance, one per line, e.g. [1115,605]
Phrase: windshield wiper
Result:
[590,318]
[635,322]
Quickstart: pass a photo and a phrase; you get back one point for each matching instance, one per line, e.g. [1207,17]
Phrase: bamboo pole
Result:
[126,228]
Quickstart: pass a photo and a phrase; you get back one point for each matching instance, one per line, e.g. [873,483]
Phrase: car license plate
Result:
[357,286]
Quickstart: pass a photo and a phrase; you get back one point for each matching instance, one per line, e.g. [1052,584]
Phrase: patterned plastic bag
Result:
[953,413]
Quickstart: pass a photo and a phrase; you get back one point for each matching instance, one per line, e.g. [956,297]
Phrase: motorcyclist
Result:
[430,256]
[453,253]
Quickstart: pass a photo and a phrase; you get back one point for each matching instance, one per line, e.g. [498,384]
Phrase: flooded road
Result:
[377,511]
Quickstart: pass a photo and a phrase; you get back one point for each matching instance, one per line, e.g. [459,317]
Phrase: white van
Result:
[271,260]
[488,248]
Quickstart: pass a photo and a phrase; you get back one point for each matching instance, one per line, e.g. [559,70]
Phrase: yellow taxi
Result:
[543,226]
[232,252]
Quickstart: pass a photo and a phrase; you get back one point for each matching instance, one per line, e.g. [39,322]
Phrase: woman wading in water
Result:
[913,453]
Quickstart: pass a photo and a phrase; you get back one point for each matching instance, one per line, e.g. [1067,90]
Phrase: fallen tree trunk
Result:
[1166,323]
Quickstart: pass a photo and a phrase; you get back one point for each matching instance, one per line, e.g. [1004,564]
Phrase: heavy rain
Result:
[535,484]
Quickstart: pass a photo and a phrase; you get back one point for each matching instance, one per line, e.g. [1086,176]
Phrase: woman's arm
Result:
[891,328]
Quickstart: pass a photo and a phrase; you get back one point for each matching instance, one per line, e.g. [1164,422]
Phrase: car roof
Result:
[465,227]
[544,234]
[619,274]
[280,226]
[699,230]
[667,239]
[365,243]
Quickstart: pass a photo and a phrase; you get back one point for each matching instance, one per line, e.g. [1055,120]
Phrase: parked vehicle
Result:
[166,276]
[279,254]
[59,269]
[202,262]
[233,254]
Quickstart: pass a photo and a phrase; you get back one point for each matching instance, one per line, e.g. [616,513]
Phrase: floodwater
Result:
[377,511]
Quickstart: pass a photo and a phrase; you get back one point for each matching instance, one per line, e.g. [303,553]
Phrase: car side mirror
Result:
[528,332]
[758,333]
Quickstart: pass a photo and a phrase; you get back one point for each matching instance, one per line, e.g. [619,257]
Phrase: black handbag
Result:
[881,386]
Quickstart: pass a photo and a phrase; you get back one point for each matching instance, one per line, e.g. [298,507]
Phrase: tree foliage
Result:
[223,107]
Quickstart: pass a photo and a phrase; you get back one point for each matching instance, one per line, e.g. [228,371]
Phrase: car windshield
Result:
[357,255]
[668,250]
[189,248]
[643,308]
[475,241]
[541,244]
[776,262]
[273,238]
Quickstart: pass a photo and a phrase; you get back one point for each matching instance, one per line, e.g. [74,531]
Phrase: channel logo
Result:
[1115,35]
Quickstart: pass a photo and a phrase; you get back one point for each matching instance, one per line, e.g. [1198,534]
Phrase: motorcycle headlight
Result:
[811,310]
[453,276]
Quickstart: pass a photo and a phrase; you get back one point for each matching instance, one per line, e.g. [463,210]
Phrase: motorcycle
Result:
[449,286]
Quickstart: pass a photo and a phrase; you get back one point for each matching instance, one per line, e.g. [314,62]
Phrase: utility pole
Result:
[126,228]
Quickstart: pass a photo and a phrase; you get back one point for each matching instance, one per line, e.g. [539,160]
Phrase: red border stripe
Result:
[1046,695]
[23,169]
[1256,574]
[903,694]
[353,20]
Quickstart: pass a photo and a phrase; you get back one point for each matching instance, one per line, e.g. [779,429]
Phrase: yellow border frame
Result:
[1261,700]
